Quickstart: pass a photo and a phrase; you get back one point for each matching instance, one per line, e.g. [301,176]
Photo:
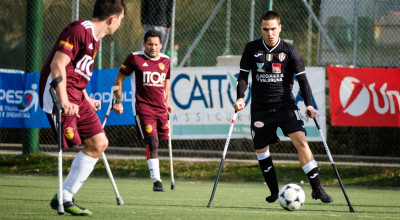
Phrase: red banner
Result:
[364,96]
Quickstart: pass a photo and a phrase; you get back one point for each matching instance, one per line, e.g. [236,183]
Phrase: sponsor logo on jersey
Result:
[145,64]
[153,78]
[148,128]
[272,77]
[276,68]
[260,67]
[91,46]
[257,55]
[66,45]
[84,67]
[162,66]
[282,57]
[258,124]
[269,57]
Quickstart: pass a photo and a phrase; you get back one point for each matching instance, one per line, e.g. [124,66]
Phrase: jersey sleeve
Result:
[245,61]
[297,62]
[71,40]
[168,76]
[128,66]
[300,73]
[245,67]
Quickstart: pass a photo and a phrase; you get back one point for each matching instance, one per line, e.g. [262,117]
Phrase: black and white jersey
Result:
[272,71]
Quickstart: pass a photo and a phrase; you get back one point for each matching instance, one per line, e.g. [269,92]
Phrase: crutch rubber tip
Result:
[60,209]
[120,201]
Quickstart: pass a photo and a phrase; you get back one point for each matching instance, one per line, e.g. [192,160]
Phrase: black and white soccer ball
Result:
[291,197]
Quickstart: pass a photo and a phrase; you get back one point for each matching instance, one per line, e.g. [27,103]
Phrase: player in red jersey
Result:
[72,58]
[150,78]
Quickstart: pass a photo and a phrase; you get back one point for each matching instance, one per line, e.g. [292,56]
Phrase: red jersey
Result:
[78,41]
[148,81]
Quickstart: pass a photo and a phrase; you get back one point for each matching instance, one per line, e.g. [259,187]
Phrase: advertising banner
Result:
[364,96]
[19,99]
[203,99]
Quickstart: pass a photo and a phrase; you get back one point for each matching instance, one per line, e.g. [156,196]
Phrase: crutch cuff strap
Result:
[54,83]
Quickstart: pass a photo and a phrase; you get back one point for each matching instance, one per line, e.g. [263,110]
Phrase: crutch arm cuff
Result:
[54,83]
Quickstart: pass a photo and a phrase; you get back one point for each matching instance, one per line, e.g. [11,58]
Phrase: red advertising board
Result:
[364,96]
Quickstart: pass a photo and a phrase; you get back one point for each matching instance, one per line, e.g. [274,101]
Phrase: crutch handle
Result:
[315,120]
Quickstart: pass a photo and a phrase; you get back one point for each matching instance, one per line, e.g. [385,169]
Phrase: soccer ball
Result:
[291,197]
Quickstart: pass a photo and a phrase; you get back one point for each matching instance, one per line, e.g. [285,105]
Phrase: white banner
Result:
[203,97]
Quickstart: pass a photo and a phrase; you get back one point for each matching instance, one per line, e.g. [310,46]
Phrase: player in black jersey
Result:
[273,63]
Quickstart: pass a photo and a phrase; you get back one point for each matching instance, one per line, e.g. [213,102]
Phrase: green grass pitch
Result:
[28,197]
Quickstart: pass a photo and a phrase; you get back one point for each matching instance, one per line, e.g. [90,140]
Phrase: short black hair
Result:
[105,8]
[270,15]
[152,33]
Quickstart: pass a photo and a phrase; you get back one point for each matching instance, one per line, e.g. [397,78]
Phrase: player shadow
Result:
[394,208]
[136,203]
[23,186]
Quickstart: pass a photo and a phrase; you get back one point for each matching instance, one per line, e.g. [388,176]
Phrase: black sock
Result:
[269,174]
[313,177]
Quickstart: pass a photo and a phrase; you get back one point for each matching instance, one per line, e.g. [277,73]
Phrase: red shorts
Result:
[150,124]
[84,127]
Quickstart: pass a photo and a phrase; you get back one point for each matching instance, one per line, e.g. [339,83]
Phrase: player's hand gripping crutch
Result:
[222,159]
[103,156]
[170,156]
[59,110]
[332,162]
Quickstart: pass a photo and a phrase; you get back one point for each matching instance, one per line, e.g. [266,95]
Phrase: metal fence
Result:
[363,33]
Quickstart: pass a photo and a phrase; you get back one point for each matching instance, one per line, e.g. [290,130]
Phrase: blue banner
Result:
[19,99]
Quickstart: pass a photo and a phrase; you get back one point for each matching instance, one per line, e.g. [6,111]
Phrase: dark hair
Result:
[152,33]
[105,8]
[270,15]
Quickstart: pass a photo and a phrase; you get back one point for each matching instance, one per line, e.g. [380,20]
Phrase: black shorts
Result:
[264,126]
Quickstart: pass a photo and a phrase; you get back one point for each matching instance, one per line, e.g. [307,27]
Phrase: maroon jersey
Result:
[148,81]
[78,41]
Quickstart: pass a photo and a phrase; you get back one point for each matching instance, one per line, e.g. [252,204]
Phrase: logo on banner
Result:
[19,102]
[355,97]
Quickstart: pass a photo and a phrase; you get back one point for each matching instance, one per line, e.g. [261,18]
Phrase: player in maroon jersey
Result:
[150,77]
[72,58]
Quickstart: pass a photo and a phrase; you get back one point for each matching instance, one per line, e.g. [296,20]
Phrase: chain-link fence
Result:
[364,33]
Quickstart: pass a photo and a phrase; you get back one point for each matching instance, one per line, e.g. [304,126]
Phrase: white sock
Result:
[309,166]
[81,168]
[264,155]
[154,169]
